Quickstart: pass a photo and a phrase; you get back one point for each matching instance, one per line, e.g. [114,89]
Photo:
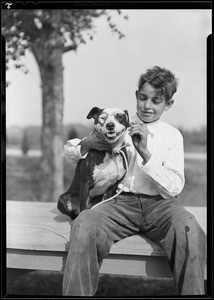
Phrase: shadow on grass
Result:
[50,283]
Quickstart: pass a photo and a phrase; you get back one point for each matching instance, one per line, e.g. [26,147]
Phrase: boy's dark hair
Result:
[161,79]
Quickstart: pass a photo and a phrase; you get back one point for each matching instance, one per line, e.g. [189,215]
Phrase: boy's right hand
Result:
[94,141]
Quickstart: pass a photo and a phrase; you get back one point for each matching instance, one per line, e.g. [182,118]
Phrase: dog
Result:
[98,175]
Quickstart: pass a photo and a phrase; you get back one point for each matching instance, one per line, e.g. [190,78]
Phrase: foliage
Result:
[14,136]
[48,33]
[198,137]
[72,134]
[27,29]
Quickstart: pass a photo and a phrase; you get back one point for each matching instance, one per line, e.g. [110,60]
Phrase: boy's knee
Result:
[88,217]
[86,224]
[186,224]
[184,221]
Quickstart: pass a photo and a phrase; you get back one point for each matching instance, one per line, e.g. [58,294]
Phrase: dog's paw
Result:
[66,207]
[69,205]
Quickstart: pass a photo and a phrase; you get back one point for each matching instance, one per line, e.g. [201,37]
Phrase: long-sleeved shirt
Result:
[162,175]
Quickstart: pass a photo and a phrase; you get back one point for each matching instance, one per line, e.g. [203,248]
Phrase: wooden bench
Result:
[38,235]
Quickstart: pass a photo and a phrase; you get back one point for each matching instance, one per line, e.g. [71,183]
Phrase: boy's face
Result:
[151,104]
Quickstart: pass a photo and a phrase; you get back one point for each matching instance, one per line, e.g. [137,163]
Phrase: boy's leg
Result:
[169,224]
[92,234]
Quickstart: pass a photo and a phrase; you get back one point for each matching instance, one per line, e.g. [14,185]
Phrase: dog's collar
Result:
[117,149]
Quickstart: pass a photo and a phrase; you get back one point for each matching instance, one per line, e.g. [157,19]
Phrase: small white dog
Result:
[101,171]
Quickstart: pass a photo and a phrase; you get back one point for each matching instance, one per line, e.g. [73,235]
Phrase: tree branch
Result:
[69,48]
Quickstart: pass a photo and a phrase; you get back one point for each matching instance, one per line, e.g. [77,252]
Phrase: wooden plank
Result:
[113,264]
[148,266]
[40,226]
[36,260]
[37,238]
[36,225]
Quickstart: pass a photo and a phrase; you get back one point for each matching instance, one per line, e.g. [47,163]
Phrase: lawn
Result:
[23,180]
[22,183]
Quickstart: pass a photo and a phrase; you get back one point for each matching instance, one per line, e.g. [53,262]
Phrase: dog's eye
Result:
[102,118]
[119,117]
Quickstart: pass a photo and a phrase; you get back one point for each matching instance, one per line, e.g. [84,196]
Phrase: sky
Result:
[105,71]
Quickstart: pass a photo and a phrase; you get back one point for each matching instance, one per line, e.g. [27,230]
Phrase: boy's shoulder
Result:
[170,130]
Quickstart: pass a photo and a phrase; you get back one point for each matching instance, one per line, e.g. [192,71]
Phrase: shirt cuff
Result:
[73,142]
[79,152]
[72,151]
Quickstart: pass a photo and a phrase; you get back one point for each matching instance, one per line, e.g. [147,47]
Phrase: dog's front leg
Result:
[68,202]
[84,195]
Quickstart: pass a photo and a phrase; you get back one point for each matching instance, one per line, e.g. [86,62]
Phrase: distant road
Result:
[195,155]
[18,152]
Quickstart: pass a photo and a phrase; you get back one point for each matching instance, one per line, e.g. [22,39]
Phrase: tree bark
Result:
[49,57]
[52,143]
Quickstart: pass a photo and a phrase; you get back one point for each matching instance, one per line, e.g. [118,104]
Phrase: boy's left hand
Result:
[139,133]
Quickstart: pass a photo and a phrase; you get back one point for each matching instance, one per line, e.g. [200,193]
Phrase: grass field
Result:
[22,183]
[23,180]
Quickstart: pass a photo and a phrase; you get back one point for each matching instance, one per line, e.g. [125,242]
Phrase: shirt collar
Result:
[152,127]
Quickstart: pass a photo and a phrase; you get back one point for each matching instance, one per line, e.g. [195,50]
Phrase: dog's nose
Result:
[110,126]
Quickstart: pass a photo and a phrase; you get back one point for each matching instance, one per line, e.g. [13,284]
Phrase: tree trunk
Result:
[52,134]
[48,54]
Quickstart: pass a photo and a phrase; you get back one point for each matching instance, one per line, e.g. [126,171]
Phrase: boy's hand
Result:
[139,133]
[94,141]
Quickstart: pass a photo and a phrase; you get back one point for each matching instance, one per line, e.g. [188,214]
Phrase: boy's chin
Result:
[150,121]
[147,120]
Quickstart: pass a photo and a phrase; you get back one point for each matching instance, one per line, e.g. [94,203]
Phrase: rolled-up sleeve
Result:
[72,151]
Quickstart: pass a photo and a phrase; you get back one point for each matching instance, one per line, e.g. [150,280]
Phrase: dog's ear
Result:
[127,117]
[94,112]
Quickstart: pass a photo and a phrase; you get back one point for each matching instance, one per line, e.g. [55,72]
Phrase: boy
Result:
[148,202]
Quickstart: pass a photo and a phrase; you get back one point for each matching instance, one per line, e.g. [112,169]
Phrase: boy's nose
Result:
[147,104]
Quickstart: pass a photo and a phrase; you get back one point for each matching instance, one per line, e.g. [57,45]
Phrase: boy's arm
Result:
[72,151]
[77,149]
[168,176]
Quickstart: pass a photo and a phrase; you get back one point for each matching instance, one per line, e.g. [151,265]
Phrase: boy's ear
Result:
[169,104]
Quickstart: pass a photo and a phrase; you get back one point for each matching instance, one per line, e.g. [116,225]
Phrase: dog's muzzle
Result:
[112,137]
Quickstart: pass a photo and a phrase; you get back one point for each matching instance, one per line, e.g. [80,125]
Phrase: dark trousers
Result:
[164,221]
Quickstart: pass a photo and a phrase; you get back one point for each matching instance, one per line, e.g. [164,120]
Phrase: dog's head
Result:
[110,122]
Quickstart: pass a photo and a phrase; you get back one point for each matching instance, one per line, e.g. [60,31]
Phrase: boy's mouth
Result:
[147,113]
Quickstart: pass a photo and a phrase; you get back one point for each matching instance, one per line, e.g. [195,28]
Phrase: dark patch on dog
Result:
[94,113]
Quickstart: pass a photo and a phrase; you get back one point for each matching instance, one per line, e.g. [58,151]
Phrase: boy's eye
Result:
[157,100]
[142,97]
